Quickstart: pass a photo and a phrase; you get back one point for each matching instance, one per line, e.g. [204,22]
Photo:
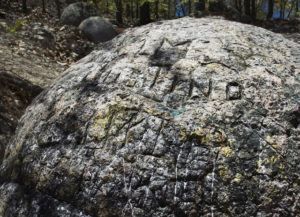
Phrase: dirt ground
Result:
[30,59]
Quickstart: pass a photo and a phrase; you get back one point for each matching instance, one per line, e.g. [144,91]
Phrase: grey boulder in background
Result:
[187,117]
[75,13]
[97,29]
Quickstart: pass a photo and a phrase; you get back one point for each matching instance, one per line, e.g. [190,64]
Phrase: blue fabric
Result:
[178,11]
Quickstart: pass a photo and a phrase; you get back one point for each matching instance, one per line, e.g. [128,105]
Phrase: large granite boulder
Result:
[75,13]
[188,117]
[97,29]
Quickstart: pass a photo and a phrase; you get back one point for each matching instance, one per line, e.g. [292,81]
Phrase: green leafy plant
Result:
[15,27]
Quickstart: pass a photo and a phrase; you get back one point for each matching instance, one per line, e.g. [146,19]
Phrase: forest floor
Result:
[31,57]
[41,49]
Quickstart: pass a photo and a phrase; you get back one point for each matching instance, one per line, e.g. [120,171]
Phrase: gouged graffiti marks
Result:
[270,72]
[158,134]
[115,59]
[88,123]
[242,55]
[220,63]
[116,78]
[155,78]
[191,87]
[109,124]
[161,116]
[151,97]
[141,48]
[205,88]
[188,42]
[233,91]
[189,149]
[174,83]
[209,88]
[128,123]
[134,124]
[106,76]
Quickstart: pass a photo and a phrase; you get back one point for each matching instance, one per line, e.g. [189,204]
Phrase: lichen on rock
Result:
[187,117]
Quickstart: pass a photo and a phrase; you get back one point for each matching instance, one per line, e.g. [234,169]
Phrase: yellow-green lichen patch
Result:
[202,136]
[269,139]
[206,136]
[268,164]
[272,160]
[237,178]
[111,119]
[229,142]
[225,151]
[213,66]
[259,163]
[281,166]
[199,131]
[182,135]
[99,125]
[220,136]
[223,171]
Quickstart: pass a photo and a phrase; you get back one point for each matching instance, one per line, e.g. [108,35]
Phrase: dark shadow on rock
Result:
[15,95]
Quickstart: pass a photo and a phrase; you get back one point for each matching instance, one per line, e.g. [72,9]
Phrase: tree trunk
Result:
[207,5]
[57,3]
[270,9]
[119,13]
[131,10]
[247,7]
[156,9]
[127,11]
[291,9]
[190,7]
[236,4]
[282,7]
[169,8]
[137,9]
[297,6]
[253,11]
[145,13]
[201,5]
[44,6]
[95,3]
[8,4]
[24,6]
[107,7]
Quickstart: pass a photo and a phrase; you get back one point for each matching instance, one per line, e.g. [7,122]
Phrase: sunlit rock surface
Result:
[188,117]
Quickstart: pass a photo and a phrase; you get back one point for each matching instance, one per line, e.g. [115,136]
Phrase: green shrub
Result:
[15,27]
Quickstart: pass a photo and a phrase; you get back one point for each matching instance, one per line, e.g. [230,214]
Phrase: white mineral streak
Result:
[212,208]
